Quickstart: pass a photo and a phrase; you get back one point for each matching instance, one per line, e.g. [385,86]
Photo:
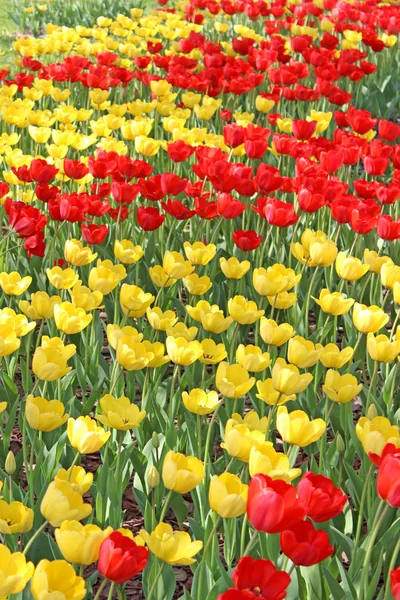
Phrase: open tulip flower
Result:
[200,300]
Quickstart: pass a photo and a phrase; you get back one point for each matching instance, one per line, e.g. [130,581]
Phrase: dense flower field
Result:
[199,317]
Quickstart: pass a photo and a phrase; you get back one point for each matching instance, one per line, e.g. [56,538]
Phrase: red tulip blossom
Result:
[94,234]
[120,558]
[323,501]
[246,240]
[395,583]
[388,483]
[257,579]
[149,218]
[305,545]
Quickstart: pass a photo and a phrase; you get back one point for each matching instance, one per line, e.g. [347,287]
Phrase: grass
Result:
[7,29]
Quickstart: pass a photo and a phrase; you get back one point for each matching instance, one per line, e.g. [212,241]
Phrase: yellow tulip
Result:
[375,433]
[175,266]
[62,502]
[15,518]
[80,544]
[390,275]
[244,311]
[172,547]
[41,306]
[283,300]
[50,359]
[18,323]
[287,379]
[182,352]
[70,319]
[274,334]
[341,388]
[213,319]
[323,253]
[126,252]
[15,572]
[268,394]
[297,429]
[199,402]
[199,253]
[62,279]
[133,355]
[57,579]
[180,330]
[83,298]
[160,320]
[332,357]
[182,473]
[302,353]
[13,284]
[350,268]
[212,353]
[106,276]
[239,440]
[134,301]
[232,268]
[160,278]
[381,348]
[120,413]
[85,435]
[77,254]
[227,496]
[264,459]
[333,303]
[233,381]
[77,478]
[252,358]
[44,415]
[250,419]
[273,280]
[197,285]
[375,261]
[369,319]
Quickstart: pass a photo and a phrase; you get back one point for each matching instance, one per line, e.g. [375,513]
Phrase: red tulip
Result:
[310,202]
[179,151]
[103,166]
[23,173]
[323,501]
[234,135]
[280,214]
[268,179]
[34,244]
[388,483]
[172,184]
[260,578]
[44,192]
[229,207]
[273,505]
[120,558]
[305,545]
[395,583]
[75,169]
[119,214]
[246,240]
[94,234]
[124,192]
[387,228]
[255,148]
[149,218]
[41,171]
[388,450]
[375,165]
[26,220]
[4,189]
[360,120]
[303,130]
[388,131]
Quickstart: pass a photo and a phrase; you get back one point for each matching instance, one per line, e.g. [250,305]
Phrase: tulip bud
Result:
[155,440]
[10,465]
[372,412]
[340,447]
[153,478]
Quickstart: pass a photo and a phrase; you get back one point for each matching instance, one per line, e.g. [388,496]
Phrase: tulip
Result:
[120,413]
[15,518]
[244,311]
[332,357]
[214,320]
[134,301]
[8,340]
[77,254]
[257,578]
[227,496]
[160,320]
[212,353]
[199,402]
[375,261]
[296,427]
[369,319]
[50,359]
[172,547]
[62,279]
[85,436]
[175,266]
[333,303]
[15,572]
[287,380]
[268,394]
[116,333]
[160,278]
[381,349]
[126,252]
[233,381]
[41,306]
[322,499]
[134,355]
[83,298]
[153,478]
[79,543]
[302,353]
[395,583]
[323,253]
[19,323]
[272,505]
[390,275]
[181,473]
[274,334]
[341,388]
[45,415]
[182,352]
[199,253]
[240,439]
[305,545]
[349,267]
[265,460]
[120,558]
[275,279]
[62,502]
[283,300]
[13,284]
[232,268]
[180,330]
[105,276]
[197,285]
[70,319]
[252,358]
[57,578]
[77,477]
[375,433]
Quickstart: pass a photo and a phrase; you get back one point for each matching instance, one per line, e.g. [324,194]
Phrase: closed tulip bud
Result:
[252,358]
[62,279]
[77,254]
[227,496]
[341,388]
[120,413]
[233,381]
[296,427]
[381,349]
[244,311]
[372,412]
[13,284]
[153,477]
[62,502]
[232,268]
[85,435]
[350,268]
[212,353]
[302,353]
[182,352]
[390,275]
[160,320]
[268,394]
[16,572]
[172,547]
[333,303]
[199,253]
[240,439]
[266,460]
[275,279]
[323,253]
[375,432]
[197,285]
[126,252]
[80,544]
[340,445]
[369,319]
[375,261]
[332,357]
[199,402]
[182,473]
[155,440]
[283,300]
[287,380]
[10,464]
[57,578]
[134,301]
[175,266]
[274,334]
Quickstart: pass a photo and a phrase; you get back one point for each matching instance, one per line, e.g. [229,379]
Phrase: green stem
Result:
[101,588]
[392,565]
[361,510]
[30,475]
[110,593]
[250,544]
[371,383]
[203,560]
[35,535]
[208,438]
[375,530]
[154,585]
[165,506]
